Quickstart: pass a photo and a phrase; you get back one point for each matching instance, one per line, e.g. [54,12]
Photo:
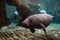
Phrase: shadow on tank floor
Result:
[19,33]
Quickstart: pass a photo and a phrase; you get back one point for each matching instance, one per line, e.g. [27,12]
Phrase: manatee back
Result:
[41,18]
[46,19]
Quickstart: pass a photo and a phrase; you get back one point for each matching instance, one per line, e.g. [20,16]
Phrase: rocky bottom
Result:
[18,33]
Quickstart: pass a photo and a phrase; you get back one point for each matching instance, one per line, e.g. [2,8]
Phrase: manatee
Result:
[37,21]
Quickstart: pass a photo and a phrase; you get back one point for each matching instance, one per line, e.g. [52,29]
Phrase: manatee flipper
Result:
[43,27]
[32,30]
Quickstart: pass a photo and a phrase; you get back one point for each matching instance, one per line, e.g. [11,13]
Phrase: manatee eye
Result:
[30,20]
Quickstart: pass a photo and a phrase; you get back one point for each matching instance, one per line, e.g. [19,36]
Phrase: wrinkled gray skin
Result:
[37,21]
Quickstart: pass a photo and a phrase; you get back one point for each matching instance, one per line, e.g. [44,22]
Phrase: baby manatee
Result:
[38,21]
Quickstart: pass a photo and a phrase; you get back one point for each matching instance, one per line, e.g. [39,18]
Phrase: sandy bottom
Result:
[19,33]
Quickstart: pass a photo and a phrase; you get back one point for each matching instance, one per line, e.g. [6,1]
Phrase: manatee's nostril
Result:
[23,24]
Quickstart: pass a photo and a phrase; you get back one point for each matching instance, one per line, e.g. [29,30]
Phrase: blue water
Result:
[55,25]
[49,6]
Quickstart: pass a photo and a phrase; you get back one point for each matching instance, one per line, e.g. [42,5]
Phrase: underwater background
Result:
[38,6]
[13,32]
